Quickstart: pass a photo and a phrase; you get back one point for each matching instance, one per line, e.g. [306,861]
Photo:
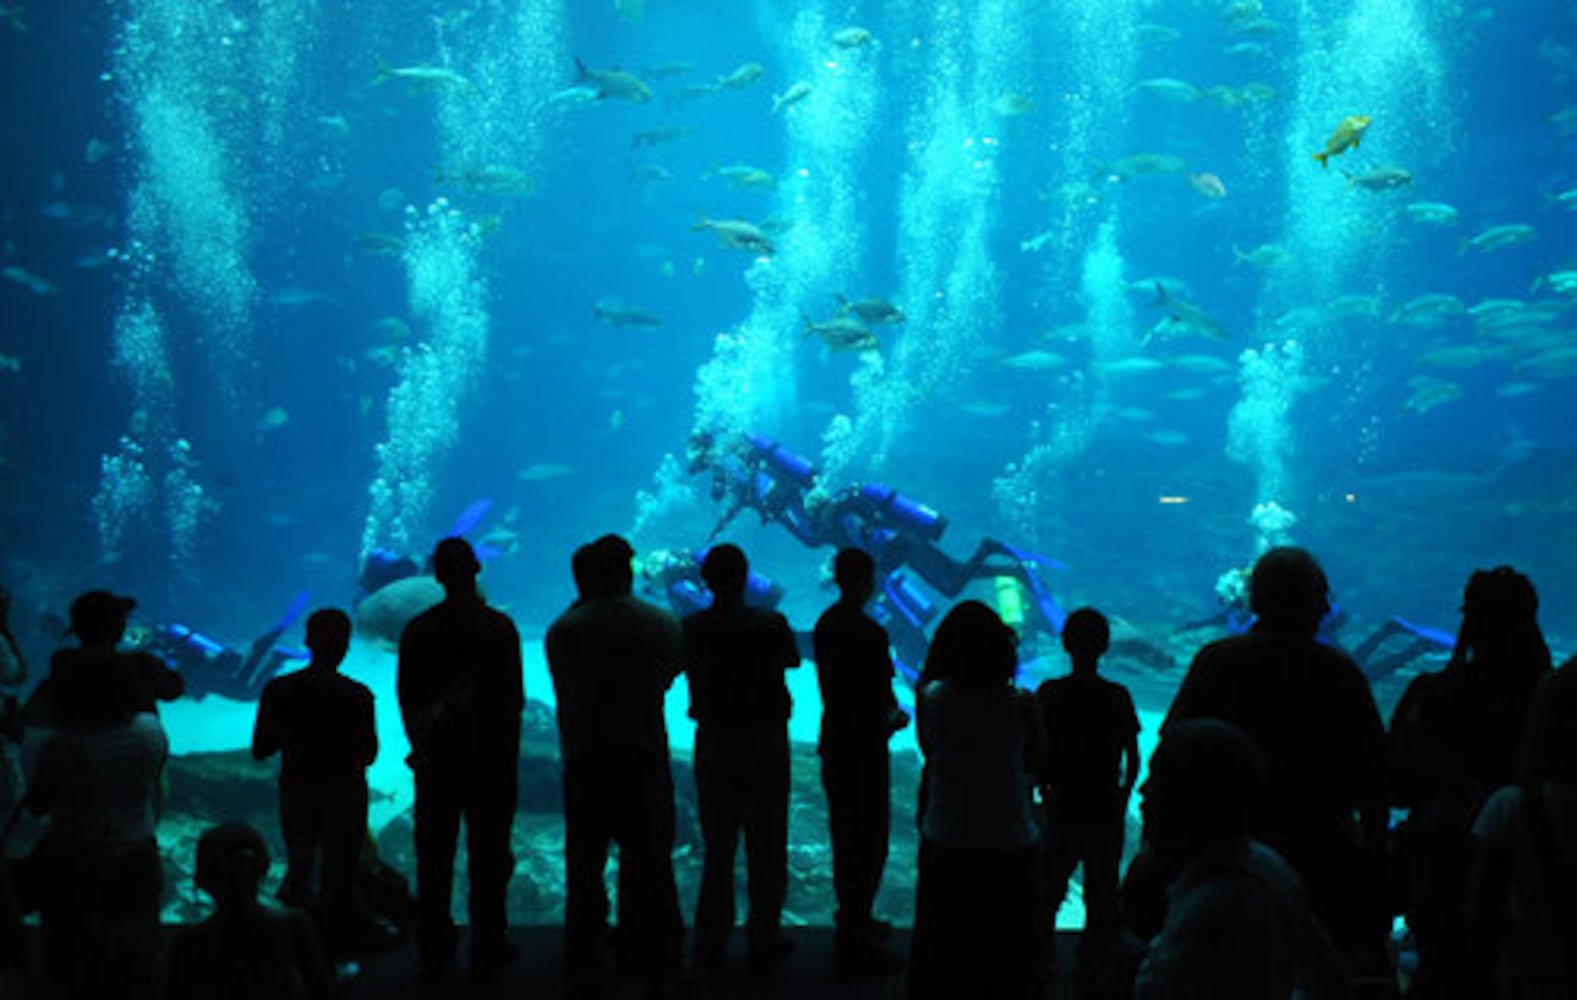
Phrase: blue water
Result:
[189,308]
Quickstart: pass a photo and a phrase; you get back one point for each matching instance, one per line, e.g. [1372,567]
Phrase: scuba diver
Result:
[209,666]
[381,566]
[1234,617]
[901,534]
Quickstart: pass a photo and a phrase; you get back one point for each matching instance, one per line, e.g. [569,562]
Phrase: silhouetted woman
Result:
[975,896]
[1454,738]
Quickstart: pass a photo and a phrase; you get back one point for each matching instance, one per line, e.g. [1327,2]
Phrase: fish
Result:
[296,297]
[1139,164]
[1429,311]
[1265,257]
[1554,362]
[541,472]
[613,84]
[1432,213]
[1499,237]
[743,175]
[1461,356]
[843,333]
[11,363]
[741,77]
[27,279]
[1037,242]
[616,313]
[1169,88]
[660,136]
[873,312]
[1429,392]
[1564,120]
[14,14]
[1347,136]
[1013,105]
[1566,199]
[650,173]
[272,419]
[76,216]
[96,150]
[426,76]
[1135,365]
[1564,281]
[1208,184]
[1183,317]
[1158,33]
[1381,179]
[393,328]
[1035,361]
[738,235]
[491,178]
[790,97]
[375,244]
[852,37]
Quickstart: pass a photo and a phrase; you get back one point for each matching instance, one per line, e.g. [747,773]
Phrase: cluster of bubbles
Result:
[449,300]
[123,497]
[1259,433]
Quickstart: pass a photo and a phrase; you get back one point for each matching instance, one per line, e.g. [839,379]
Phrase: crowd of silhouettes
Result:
[1267,862]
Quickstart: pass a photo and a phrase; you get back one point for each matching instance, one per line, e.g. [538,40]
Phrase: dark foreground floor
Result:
[808,973]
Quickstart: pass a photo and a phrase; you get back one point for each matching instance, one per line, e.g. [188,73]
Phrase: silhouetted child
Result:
[322,724]
[246,950]
[1092,763]
[1238,923]
[97,683]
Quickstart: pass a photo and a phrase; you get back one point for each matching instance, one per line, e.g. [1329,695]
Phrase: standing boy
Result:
[1093,736]
[322,724]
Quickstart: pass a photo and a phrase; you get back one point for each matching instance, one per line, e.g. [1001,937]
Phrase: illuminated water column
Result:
[448,303]
[1096,39]
[750,382]
[185,255]
[948,214]
[499,122]
[1378,60]
[489,124]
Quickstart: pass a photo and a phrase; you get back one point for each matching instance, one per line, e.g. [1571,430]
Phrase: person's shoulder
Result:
[1499,814]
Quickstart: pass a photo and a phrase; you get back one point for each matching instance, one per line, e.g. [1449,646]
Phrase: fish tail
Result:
[384,71]
[1323,158]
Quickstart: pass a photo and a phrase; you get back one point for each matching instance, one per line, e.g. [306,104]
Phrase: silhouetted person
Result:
[1238,923]
[1307,708]
[613,658]
[96,682]
[735,658]
[322,724]
[854,670]
[1523,940]
[461,694]
[1454,738]
[1092,762]
[98,875]
[975,889]
[244,950]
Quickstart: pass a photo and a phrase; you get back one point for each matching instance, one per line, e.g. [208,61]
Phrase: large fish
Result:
[614,84]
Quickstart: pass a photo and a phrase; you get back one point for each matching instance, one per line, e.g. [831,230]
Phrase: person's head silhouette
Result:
[456,566]
[1288,590]
[854,571]
[1086,636]
[328,636]
[726,572]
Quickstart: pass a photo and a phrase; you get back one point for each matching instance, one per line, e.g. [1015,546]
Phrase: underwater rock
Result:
[384,614]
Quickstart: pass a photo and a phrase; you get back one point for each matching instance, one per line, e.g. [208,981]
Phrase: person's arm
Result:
[13,668]
[164,682]
[1130,747]
[367,733]
[788,646]
[1039,747]
[265,730]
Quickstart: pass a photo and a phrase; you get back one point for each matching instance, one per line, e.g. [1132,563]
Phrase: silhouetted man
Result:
[461,695]
[613,658]
[854,670]
[1308,710]
[735,656]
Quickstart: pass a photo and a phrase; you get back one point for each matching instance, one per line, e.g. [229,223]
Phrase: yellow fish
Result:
[1347,136]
